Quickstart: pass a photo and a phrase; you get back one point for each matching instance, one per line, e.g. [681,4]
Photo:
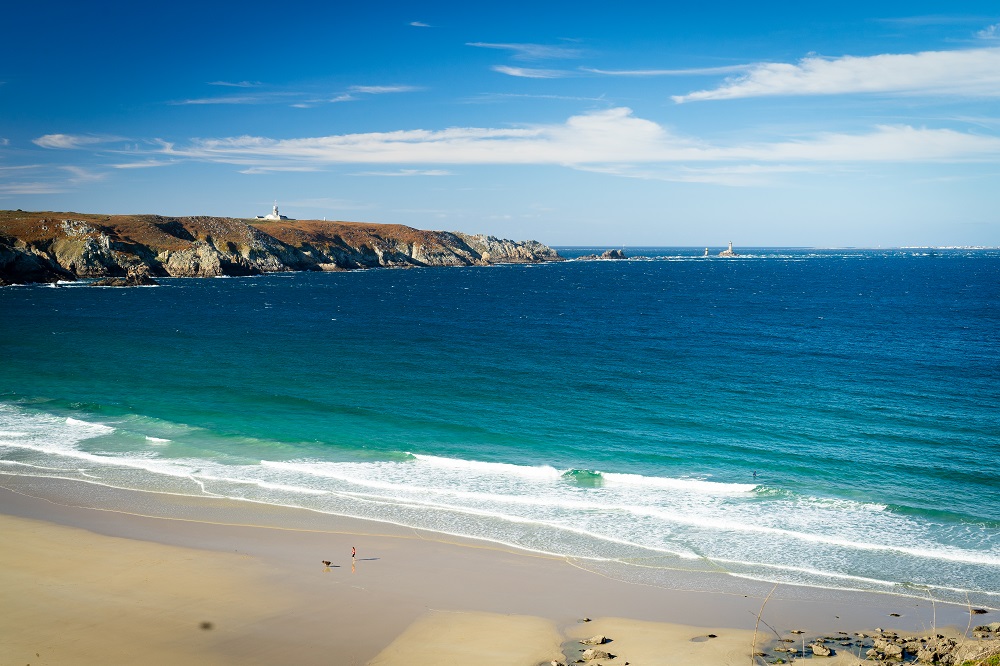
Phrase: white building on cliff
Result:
[274,214]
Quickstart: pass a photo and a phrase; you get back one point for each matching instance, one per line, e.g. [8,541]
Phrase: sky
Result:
[852,124]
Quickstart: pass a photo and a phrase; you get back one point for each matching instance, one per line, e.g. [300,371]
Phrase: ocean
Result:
[828,418]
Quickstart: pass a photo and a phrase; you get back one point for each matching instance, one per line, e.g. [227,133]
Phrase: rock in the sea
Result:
[604,256]
[820,650]
[595,640]
[592,654]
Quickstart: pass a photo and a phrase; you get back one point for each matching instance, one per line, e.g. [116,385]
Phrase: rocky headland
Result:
[122,250]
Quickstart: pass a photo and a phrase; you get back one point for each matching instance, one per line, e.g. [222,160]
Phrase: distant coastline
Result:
[134,249]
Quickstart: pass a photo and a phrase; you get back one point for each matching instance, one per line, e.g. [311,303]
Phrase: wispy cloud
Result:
[485,98]
[20,167]
[382,90]
[990,32]
[236,84]
[613,136]
[300,99]
[261,170]
[144,164]
[73,141]
[532,51]
[254,98]
[931,19]
[49,179]
[79,175]
[406,172]
[529,73]
[4,141]
[31,188]
[694,71]
[742,175]
[419,24]
[972,72]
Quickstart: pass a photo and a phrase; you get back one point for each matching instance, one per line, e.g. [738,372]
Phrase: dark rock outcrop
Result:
[45,247]
[604,256]
[20,263]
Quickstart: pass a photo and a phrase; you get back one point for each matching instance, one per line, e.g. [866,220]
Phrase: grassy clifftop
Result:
[44,246]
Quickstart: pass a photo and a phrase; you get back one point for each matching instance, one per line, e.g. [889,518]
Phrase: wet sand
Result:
[202,581]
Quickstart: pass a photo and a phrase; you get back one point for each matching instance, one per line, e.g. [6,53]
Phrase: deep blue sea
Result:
[827,418]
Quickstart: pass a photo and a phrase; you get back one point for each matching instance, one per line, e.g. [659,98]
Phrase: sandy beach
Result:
[190,580]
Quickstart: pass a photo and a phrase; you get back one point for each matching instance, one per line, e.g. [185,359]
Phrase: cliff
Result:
[44,247]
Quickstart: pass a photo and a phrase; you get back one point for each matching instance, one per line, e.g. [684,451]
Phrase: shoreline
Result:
[407,589]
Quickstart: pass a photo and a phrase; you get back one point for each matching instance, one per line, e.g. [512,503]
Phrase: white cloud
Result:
[966,72]
[145,164]
[932,19]
[419,24]
[4,141]
[609,137]
[302,99]
[263,98]
[406,172]
[695,71]
[740,175]
[528,73]
[382,90]
[236,84]
[486,98]
[82,175]
[72,141]
[256,171]
[31,188]
[532,51]
[887,143]
[299,99]
[989,32]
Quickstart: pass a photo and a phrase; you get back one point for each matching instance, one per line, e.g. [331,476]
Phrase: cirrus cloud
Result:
[532,51]
[970,72]
[73,141]
[530,73]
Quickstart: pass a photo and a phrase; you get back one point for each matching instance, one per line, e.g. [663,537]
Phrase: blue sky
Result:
[573,123]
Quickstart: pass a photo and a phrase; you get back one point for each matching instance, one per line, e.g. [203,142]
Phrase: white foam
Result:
[668,483]
[91,429]
[156,440]
[527,471]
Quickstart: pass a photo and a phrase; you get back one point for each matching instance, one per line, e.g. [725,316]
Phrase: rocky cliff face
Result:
[44,247]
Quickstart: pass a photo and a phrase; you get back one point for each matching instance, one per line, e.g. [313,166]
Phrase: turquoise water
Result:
[615,411]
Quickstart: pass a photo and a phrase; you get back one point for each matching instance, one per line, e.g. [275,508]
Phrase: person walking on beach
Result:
[354,552]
